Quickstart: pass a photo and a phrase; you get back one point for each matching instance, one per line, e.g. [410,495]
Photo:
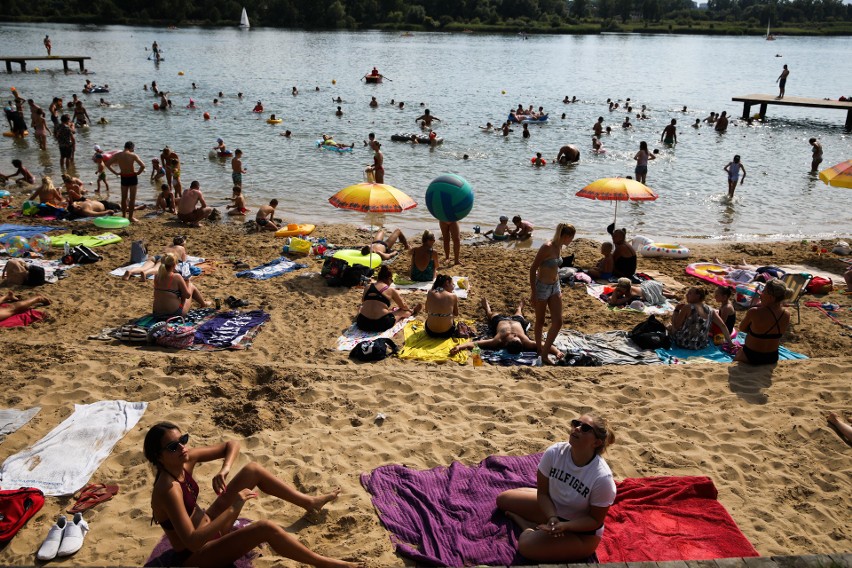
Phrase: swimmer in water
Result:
[538,160]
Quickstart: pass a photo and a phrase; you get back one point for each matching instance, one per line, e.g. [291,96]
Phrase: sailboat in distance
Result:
[244,21]
[769,36]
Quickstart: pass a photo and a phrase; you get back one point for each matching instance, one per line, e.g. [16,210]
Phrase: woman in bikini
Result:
[546,289]
[772,318]
[562,518]
[442,307]
[376,313]
[206,538]
[623,257]
[41,129]
[424,259]
[173,295]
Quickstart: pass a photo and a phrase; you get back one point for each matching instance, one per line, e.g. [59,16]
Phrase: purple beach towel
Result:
[447,516]
[164,555]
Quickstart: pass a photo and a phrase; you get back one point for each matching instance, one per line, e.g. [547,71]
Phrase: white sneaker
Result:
[50,546]
[72,536]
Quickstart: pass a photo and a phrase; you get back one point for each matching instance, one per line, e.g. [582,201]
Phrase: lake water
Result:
[462,79]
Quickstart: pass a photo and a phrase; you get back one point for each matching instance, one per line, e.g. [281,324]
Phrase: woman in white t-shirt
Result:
[562,519]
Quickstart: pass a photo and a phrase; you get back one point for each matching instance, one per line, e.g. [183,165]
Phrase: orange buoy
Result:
[206,116]
[156,106]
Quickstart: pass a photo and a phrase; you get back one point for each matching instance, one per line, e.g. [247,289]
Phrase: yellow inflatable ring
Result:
[275,121]
[353,256]
[664,250]
[10,134]
[293,230]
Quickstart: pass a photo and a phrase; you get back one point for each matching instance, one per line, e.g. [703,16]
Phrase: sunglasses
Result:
[172,447]
[587,428]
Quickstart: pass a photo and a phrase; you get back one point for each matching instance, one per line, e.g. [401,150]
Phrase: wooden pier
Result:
[765,100]
[22,60]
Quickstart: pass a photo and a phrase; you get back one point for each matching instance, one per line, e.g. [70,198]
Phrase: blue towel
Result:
[271,269]
[713,353]
[9,230]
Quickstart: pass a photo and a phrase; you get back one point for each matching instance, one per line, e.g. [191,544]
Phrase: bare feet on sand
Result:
[320,501]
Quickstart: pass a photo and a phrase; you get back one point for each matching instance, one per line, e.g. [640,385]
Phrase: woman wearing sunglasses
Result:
[562,518]
[204,538]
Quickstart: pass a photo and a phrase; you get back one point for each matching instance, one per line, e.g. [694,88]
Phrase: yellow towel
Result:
[421,347]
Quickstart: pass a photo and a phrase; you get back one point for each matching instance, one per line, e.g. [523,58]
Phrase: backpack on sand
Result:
[17,506]
[650,334]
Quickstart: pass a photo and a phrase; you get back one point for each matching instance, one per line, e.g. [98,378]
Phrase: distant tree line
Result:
[423,14]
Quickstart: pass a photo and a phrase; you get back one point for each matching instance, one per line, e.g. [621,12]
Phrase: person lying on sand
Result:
[150,266]
[207,538]
[11,304]
[382,246]
[92,208]
[652,293]
[509,333]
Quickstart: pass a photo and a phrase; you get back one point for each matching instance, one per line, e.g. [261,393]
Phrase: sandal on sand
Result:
[92,495]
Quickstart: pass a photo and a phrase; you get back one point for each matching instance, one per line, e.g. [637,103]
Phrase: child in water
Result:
[501,231]
[603,269]
[102,177]
[523,229]
[158,172]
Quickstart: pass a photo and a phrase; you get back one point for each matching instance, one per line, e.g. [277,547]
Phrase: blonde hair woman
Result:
[172,294]
[546,289]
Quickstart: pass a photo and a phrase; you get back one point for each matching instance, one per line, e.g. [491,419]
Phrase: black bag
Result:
[650,334]
[332,271]
[138,252]
[579,358]
[35,275]
[355,275]
[373,350]
[81,254]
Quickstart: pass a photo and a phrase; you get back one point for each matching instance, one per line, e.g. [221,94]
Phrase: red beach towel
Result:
[22,319]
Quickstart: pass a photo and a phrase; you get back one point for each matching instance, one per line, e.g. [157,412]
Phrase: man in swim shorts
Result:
[508,332]
[237,169]
[568,154]
[782,82]
[92,208]
[187,211]
[669,135]
[265,217]
[127,162]
[383,247]
[427,118]
[501,231]
[66,141]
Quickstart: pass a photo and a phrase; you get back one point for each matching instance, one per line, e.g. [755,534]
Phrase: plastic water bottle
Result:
[476,357]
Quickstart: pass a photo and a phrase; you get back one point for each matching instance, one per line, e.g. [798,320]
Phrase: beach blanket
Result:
[352,336]
[87,240]
[9,230]
[448,516]
[11,419]
[419,346]
[609,347]
[54,270]
[191,262]
[22,319]
[813,271]
[63,461]
[675,355]
[404,285]
[600,292]
[163,553]
[271,269]
[229,330]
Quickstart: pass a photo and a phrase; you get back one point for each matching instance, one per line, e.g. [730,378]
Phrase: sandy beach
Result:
[306,412]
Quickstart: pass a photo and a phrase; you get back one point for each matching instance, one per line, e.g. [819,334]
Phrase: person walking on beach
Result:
[47,45]
[733,169]
[546,289]
[669,135]
[782,82]
[816,160]
[127,162]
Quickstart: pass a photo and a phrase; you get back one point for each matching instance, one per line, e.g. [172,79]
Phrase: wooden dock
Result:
[765,100]
[22,60]
[839,560]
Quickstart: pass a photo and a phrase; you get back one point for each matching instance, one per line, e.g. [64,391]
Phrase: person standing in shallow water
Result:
[782,82]
[47,45]
[817,154]
[733,168]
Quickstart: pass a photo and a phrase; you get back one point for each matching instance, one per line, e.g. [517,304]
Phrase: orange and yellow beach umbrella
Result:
[839,175]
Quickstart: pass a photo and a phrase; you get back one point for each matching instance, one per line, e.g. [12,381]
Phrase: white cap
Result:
[97,148]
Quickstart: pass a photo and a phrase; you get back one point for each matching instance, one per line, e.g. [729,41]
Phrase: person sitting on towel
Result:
[772,319]
[562,518]
[508,332]
[690,327]
[11,304]
[623,257]
[376,313]
[442,307]
[173,295]
[207,538]
[649,292]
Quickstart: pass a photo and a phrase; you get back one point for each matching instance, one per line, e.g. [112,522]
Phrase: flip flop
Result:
[92,495]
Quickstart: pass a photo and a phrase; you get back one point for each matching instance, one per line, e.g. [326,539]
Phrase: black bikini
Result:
[764,357]
[373,293]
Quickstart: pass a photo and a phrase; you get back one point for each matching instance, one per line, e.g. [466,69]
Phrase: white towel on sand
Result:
[63,461]
[11,419]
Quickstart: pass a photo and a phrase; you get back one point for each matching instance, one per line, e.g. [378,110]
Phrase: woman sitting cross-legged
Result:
[172,294]
[205,538]
[376,313]
[563,516]
[442,307]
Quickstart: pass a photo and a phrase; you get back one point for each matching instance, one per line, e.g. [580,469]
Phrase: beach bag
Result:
[173,333]
[131,333]
[299,246]
[35,275]
[373,350]
[81,254]
[332,271]
[138,252]
[355,275]
[17,506]
[650,334]
[820,285]
[579,358]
